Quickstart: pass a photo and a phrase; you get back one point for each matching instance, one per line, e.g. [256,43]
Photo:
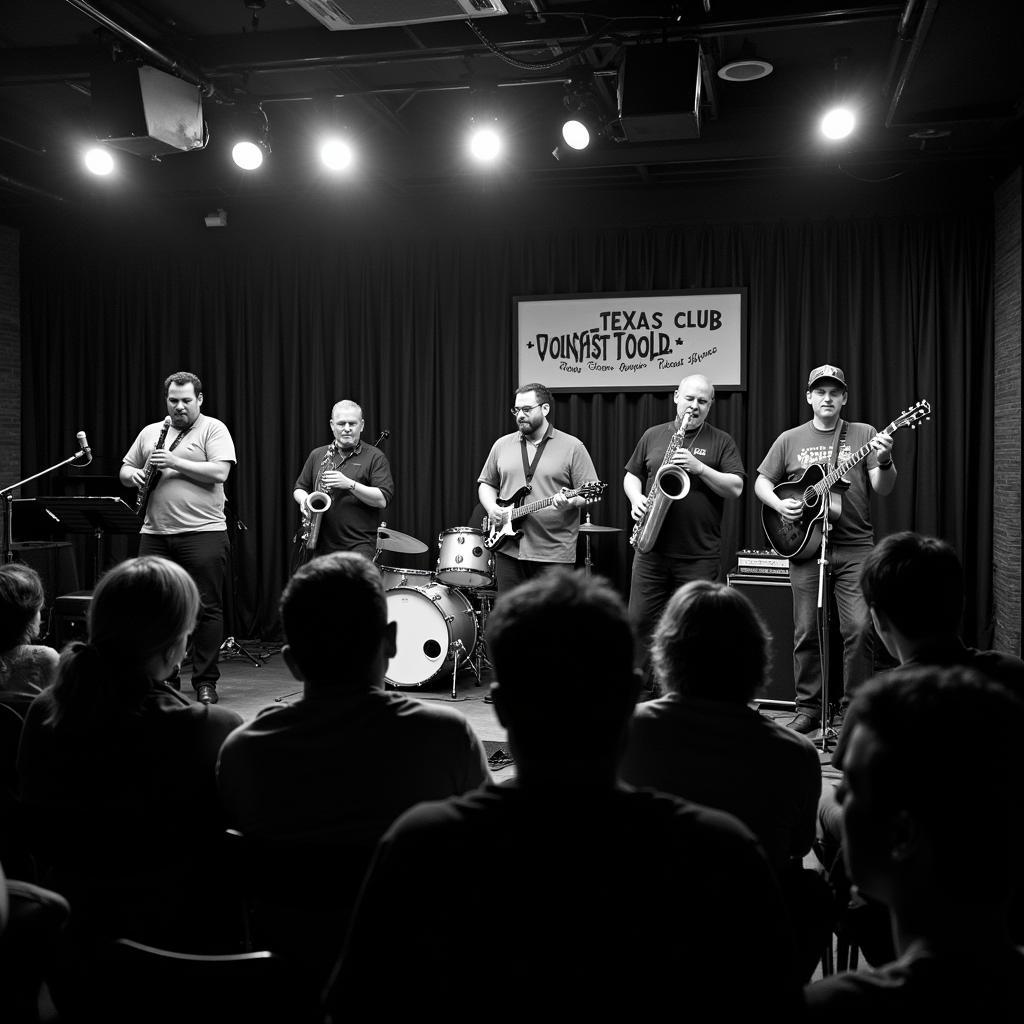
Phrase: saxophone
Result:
[150,477]
[316,503]
[671,483]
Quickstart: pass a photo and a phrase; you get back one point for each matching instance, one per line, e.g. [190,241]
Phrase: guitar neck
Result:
[536,506]
[826,482]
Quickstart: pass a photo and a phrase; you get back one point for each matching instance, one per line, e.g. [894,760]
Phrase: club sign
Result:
[632,341]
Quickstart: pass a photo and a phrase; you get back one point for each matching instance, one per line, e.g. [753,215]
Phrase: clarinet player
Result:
[351,481]
[687,544]
[179,468]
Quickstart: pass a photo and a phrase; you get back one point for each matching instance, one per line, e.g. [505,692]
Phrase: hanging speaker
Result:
[144,111]
[659,92]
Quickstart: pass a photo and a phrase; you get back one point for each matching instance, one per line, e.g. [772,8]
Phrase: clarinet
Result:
[152,473]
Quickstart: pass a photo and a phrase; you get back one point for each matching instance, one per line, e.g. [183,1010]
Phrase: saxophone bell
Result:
[671,483]
[313,508]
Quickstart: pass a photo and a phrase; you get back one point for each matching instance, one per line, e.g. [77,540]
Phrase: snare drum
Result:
[430,620]
[393,577]
[463,560]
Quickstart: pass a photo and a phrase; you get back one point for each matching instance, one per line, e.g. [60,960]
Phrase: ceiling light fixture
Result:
[98,161]
[336,154]
[838,123]
[585,119]
[248,153]
[745,70]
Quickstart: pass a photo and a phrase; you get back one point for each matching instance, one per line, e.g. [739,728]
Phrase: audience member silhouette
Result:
[117,770]
[932,828]
[26,669]
[704,742]
[914,590]
[333,770]
[913,587]
[566,875]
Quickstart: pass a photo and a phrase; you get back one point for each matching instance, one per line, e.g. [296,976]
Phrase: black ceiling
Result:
[937,82]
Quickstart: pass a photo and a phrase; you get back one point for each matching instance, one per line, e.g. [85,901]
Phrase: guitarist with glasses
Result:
[534,465]
[826,440]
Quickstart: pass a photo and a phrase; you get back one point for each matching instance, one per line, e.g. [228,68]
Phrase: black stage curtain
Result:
[417,327]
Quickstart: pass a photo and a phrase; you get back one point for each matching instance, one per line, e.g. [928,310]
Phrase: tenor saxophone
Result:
[671,483]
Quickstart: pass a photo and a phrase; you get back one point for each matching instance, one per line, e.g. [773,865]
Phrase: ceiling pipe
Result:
[20,186]
[911,32]
[175,65]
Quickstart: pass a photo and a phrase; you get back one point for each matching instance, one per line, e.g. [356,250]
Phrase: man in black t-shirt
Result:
[357,479]
[689,541]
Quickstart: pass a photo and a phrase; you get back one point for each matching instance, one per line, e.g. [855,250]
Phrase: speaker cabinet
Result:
[71,618]
[659,91]
[145,111]
[773,600]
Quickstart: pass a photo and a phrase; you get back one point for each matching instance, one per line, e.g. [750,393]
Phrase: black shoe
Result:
[206,693]
[838,718]
[804,723]
[488,699]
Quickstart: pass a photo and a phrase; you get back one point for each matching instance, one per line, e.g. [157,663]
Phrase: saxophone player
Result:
[356,479]
[687,544]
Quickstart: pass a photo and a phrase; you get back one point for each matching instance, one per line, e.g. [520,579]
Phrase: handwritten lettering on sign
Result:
[632,342]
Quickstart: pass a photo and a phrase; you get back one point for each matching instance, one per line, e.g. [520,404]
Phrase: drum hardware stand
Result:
[232,646]
[455,651]
[482,659]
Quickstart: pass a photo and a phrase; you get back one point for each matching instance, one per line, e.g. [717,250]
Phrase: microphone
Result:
[83,444]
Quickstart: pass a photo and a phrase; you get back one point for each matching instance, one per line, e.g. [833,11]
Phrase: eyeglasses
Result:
[524,409]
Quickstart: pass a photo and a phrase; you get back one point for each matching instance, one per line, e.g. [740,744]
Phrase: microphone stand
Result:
[7,493]
[824,626]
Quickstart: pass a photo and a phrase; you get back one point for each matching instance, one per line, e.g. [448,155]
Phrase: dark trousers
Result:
[205,557]
[845,564]
[509,572]
[654,580]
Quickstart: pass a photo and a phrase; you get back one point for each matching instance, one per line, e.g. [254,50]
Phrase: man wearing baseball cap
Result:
[851,536]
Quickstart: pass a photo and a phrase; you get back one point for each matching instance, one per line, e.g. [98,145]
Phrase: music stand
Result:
[78,514]
[824,625]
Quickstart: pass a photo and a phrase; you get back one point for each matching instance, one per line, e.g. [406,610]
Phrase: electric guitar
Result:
[800,540]
[499,528]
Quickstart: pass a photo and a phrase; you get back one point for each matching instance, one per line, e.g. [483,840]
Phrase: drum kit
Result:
[442,613]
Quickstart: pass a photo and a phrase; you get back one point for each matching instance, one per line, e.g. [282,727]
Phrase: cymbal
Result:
[596,528]
[392,540]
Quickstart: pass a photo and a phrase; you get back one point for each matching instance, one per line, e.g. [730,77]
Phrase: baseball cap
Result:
[826,372]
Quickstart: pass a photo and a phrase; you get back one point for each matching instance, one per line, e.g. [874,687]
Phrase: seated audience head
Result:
[710,643]
[931,789]
[140,616]
[338,592]
[914,584]
[562,630]
[21,602]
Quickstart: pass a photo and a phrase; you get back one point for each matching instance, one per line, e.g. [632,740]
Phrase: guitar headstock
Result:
[911,417]
[592,490]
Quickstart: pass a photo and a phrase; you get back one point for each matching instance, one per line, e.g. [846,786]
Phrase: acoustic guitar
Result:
[814,489]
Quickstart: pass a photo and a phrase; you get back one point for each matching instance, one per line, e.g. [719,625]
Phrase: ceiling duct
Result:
[338,15]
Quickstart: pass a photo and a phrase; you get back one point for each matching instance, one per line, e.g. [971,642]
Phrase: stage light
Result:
[838,123]
[99,161]
[336,154]
[585,120]
[247,155]
[485,143]
[250,150]
[576,134]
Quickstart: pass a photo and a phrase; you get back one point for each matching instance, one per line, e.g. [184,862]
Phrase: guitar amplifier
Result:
[772,597]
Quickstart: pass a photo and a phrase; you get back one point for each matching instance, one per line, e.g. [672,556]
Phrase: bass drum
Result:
[430,620]
[393,576]
[463,560]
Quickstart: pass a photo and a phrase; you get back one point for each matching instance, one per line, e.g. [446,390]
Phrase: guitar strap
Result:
[838,437]
[529,468]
